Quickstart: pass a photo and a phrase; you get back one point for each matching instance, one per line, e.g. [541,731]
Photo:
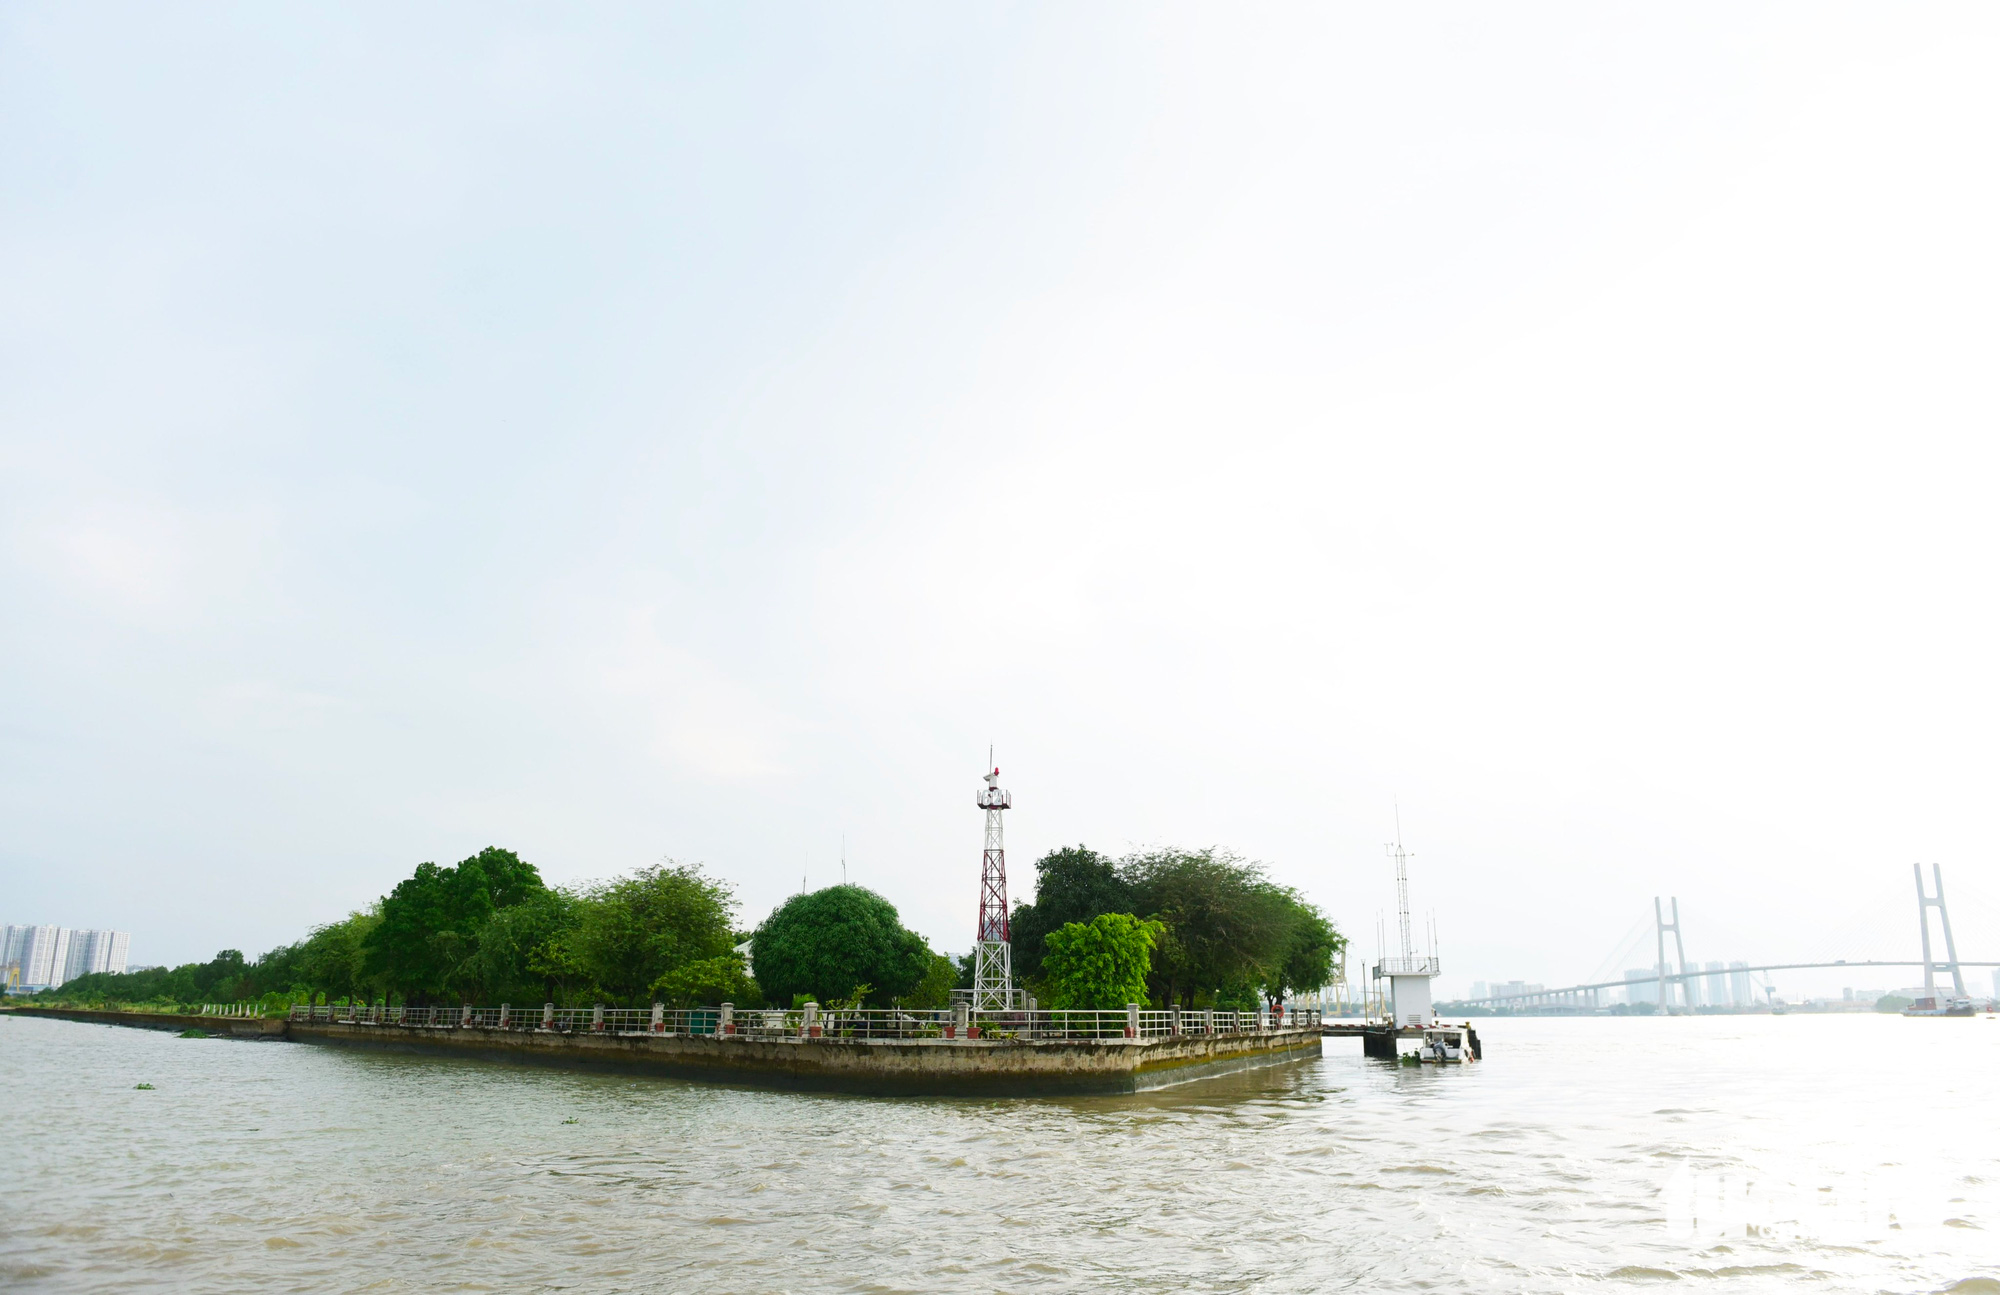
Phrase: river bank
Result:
[261,1027]
[954,1067]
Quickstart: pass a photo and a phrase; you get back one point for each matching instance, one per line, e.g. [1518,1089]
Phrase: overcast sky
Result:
[699,431]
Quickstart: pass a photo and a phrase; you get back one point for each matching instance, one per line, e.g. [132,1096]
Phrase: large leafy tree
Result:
[509,878]
[1228,932]
[420,938]
[1073,884]
[1305,957]
[830,942]
[427,939]
[1102,963]
[525,950]
[1226,923]
[332,960]
[632,931]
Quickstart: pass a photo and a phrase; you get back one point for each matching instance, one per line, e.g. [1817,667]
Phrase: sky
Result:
[699,432]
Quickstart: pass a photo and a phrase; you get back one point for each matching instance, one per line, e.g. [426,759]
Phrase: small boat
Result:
[1445,1045]
[1939,1007]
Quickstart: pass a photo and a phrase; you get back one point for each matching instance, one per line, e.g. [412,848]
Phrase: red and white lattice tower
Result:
[993,958]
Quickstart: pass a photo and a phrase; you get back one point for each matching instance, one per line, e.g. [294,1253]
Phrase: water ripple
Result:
[271,1166]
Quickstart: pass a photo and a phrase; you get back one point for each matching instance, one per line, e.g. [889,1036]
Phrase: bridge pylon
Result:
[1925,903]
[1661,926]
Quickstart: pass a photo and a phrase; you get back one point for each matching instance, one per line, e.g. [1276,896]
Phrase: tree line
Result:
[488,929]
[1195,928]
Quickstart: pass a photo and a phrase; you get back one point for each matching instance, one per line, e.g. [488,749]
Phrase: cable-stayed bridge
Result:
[1673,983]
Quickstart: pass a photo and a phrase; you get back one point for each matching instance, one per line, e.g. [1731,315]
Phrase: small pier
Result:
[1385,1040]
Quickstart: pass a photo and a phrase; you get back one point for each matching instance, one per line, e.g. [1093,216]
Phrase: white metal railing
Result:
[815,1022]
[1407,967]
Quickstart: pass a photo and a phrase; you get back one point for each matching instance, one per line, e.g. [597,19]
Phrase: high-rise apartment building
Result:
[95,951]
[39,957]
[1718,986]
[1739,984]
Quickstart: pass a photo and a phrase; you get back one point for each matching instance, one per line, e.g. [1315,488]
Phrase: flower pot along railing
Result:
[814,1022]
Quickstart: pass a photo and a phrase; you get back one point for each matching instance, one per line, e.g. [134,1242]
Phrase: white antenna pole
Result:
[1402,889]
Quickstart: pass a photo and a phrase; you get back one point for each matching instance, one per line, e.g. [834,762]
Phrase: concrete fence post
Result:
[961,1018]
[659,1017]
[1029,1031]
[465,1016]
[726,1020]
[809,1026]
[1131,1020]
[503,1016]
[597,1016]
[1174,1019]
[548,1016]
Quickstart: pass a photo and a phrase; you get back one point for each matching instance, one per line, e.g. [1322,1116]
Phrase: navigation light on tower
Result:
[992,959]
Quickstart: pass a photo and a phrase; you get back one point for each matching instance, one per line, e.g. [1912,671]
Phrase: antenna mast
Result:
[1402,859]
[993,958]
[1409,977]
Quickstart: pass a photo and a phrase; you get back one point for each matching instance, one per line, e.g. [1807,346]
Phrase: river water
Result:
[1853,1153]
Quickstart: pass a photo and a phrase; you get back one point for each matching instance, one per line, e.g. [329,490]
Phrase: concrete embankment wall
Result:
[240,1026]
[946,1067]
[937,1067]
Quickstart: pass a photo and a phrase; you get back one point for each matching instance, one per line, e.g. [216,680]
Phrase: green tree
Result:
[1073,884]
[826,943]
[524,950]
[1305,956]
[509,878]
[632,931]
[1102,963]
[421,937]
[332,959]
[1226,924]
[934,990]
[708,983]
[426,943]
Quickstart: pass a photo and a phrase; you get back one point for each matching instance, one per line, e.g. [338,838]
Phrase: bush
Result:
[1102,963]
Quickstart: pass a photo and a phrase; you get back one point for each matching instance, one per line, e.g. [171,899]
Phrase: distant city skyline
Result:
[42,956]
